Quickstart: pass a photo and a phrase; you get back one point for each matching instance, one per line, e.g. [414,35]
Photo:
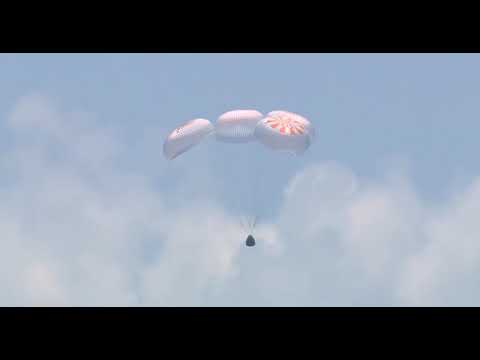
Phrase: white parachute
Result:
[237,126]
[186,136]
[278,130]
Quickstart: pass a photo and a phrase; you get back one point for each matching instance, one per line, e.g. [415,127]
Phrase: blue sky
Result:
[379,118]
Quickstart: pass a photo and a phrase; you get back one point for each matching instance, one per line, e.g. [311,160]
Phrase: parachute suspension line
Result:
[255,175]
[250,195]
[244,224]
[240,167]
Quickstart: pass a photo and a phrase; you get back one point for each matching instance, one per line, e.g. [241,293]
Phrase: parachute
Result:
[237,126]
[185,137]
[283,130]
[279,130]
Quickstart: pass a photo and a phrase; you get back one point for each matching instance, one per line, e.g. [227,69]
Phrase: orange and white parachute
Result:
[286,131]
[279,130]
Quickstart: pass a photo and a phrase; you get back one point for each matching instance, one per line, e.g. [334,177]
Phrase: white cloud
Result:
[445,271]
[74,223]
[80,227]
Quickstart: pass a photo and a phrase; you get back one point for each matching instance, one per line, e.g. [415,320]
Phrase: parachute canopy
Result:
[186,136]
[237,126]
[283,130]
